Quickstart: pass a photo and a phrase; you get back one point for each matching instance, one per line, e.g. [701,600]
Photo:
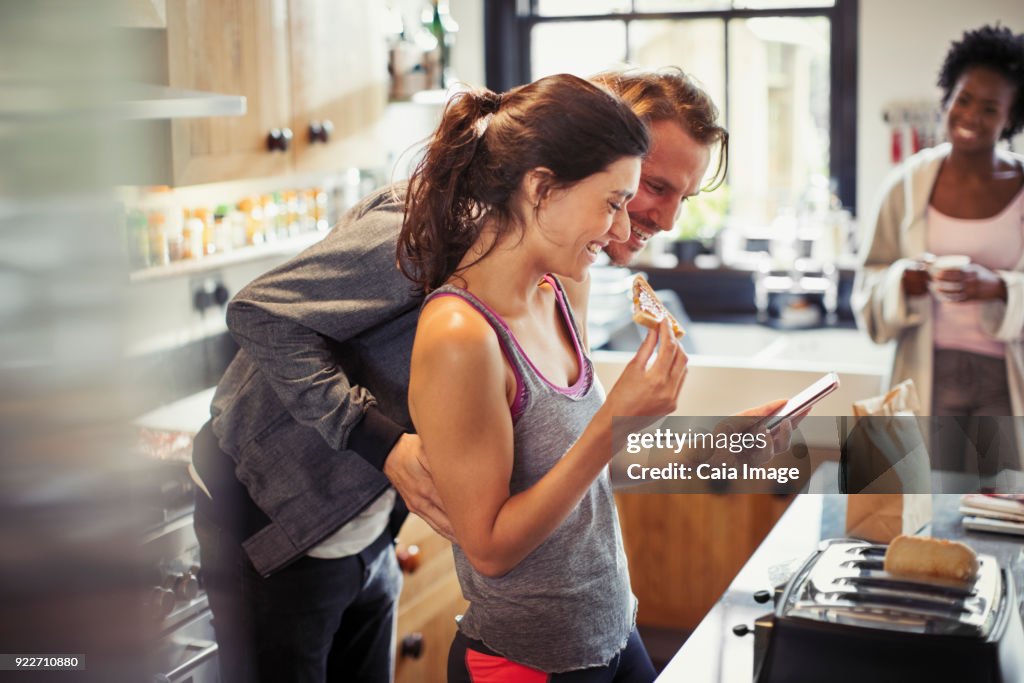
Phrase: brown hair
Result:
[669,94]
[486,143]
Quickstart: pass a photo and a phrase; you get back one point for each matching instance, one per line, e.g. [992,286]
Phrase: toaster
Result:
[842,619]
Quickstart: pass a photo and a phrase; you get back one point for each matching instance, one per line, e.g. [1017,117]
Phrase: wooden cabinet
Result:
[431,598]
[685,549]
[297,62]
[339,81]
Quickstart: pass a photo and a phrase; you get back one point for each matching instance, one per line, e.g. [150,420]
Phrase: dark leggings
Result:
[969,432]
[470,661]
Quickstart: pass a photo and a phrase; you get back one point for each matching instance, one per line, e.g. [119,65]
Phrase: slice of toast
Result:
[648,309]
[914,555]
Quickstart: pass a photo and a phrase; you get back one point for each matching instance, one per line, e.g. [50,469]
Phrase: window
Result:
[782,72]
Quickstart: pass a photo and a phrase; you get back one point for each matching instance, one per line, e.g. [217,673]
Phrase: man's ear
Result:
[537,184]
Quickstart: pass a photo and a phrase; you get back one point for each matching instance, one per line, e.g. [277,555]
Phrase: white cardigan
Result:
[896,238]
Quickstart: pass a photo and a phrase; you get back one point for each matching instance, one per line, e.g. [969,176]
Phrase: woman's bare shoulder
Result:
[453,332]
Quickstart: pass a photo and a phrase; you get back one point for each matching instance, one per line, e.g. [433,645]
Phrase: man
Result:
[684,132]
[309,439]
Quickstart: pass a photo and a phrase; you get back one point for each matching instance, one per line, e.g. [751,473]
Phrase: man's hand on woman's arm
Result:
[406,468]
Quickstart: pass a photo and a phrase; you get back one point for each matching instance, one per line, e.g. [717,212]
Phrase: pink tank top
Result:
[995,243]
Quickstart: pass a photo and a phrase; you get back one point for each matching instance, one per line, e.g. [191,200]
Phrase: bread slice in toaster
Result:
[648,309]
[931,557]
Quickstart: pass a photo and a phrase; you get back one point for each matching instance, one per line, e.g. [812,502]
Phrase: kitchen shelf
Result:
[22,101]
[285,247]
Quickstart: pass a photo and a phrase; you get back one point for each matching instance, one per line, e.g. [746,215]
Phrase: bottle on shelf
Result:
[269,217]
[158,252]
[222,229]
[320,211]
[291,212]
[252,212]
[236,226]
[281,217]
[137,239]
[165,219]
[202,217]
[193,233]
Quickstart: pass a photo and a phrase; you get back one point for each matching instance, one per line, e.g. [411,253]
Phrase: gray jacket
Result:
[317,395]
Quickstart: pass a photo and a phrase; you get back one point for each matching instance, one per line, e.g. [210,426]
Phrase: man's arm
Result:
[288,319]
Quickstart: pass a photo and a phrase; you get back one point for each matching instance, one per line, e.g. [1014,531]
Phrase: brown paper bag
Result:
[880,517]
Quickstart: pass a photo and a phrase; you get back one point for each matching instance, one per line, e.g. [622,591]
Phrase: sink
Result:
[741,366]
[829,346]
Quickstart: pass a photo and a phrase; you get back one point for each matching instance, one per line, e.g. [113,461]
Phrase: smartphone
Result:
[806,398]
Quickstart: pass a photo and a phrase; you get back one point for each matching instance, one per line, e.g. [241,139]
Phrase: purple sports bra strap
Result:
[519,402]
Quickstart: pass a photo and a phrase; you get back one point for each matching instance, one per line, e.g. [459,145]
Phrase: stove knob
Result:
[186,587]
[221,295]
[197,571]
[762,596]
[741,629]
[161,602]
[412,646]
[408,558]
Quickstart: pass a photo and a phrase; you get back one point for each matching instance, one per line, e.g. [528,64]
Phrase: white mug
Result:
[949,262]
[943,290]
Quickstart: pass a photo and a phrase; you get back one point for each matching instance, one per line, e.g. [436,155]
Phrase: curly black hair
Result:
[996,48]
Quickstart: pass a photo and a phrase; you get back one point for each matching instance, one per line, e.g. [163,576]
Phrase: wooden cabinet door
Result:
[339,73]
[685,549]
[432,617]
[431,598]
[237,47]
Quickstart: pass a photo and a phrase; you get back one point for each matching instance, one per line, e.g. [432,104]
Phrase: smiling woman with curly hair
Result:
[996,49]
[958,329]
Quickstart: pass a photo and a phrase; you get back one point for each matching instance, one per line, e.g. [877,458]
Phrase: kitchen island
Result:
[715,654]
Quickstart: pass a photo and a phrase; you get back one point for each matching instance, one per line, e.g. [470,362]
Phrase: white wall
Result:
[902,45]
[468,54]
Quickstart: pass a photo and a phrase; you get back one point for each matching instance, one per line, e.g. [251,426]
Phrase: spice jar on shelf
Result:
[222,238]
[269,217]
[291,212]
[320,209]
[252,212]
[193,234]
[165,220]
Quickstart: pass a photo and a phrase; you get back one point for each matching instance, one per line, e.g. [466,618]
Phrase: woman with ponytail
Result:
[516,194]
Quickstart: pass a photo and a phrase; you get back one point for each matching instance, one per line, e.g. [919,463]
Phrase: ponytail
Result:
[441,217]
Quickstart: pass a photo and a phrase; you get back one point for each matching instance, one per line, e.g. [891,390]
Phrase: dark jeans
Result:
[311,622]
[631,665]
[971,393]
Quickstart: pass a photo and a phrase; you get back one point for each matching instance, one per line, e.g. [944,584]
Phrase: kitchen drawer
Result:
[435,560]
[685,549]
[431,598]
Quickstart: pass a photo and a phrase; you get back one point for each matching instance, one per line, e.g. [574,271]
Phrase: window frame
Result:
[508,25]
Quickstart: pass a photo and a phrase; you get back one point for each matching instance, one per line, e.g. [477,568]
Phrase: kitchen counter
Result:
[713,654]
[185,415]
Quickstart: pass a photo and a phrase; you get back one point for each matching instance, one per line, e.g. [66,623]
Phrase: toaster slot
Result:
[845,583]
[893,600]
[863,565]
[890,583]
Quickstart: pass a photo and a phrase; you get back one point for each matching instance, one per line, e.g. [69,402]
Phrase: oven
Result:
[184,648]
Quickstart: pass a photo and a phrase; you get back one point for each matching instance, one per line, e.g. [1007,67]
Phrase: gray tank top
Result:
[568,604]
